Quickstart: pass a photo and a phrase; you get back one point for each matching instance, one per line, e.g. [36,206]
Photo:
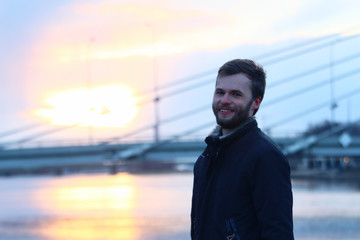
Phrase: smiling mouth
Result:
[226,111]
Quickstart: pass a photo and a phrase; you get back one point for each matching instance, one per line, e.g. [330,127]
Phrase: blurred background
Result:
[105,105]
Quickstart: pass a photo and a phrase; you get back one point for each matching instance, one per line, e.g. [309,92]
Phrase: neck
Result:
[225,132]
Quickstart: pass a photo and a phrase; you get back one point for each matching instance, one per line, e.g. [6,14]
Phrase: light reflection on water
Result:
[132,207]
[326,199]
[96,208]
[92,207]
[83,194]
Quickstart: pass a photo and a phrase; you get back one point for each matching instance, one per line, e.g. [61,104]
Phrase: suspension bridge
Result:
[334,67]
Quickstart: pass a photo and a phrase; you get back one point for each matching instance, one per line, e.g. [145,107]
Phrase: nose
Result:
[225,99]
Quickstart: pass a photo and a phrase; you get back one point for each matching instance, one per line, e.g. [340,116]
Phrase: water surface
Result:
[150,206]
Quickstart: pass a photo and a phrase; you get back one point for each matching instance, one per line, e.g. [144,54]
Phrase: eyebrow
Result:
[231,91]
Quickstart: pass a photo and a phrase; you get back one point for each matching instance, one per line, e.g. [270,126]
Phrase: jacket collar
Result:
[216,134]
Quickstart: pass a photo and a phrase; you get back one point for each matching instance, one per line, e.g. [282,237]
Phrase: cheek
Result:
[215,100]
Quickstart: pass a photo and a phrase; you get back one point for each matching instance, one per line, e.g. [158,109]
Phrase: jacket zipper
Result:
[231,228]
[231,237]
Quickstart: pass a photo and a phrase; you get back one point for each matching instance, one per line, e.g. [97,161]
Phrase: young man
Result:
[242,187]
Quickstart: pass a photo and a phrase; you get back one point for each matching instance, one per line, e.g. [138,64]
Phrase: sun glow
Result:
[112,106]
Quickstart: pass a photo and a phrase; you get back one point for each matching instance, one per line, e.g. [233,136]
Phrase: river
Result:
[150,206]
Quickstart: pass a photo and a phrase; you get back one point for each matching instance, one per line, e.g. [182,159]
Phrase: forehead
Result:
[234,82]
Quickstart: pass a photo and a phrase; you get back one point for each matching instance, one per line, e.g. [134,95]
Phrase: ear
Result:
[256,104]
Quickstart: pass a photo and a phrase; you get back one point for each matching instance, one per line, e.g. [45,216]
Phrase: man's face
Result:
[233,102]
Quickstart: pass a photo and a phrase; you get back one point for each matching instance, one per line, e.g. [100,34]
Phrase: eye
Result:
[237,94]
[219,92]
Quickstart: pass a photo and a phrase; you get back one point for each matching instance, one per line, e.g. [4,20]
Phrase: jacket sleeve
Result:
[272,195]
[192,214]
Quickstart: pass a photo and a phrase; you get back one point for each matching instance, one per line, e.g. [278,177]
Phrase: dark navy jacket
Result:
[242,189]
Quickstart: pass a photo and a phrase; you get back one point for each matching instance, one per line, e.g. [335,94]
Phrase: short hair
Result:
[252,70]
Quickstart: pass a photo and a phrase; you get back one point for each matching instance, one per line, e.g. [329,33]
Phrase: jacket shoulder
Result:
[265,144]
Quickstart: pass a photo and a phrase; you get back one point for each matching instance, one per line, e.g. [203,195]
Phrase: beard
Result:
[240,116]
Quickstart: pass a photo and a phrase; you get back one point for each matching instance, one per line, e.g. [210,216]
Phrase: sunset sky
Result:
[96,62]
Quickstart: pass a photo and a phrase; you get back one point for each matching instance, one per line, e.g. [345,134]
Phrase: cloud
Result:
[120,29]
[114,42]
[128,29]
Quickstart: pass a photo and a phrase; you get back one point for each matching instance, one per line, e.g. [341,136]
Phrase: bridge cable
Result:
[275,52]
[37,135]
[312,70]
[19,130]
[311,87]
[266,104]
[208,124]
[259,57]
[292,55]
[199,75]
[310,110]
